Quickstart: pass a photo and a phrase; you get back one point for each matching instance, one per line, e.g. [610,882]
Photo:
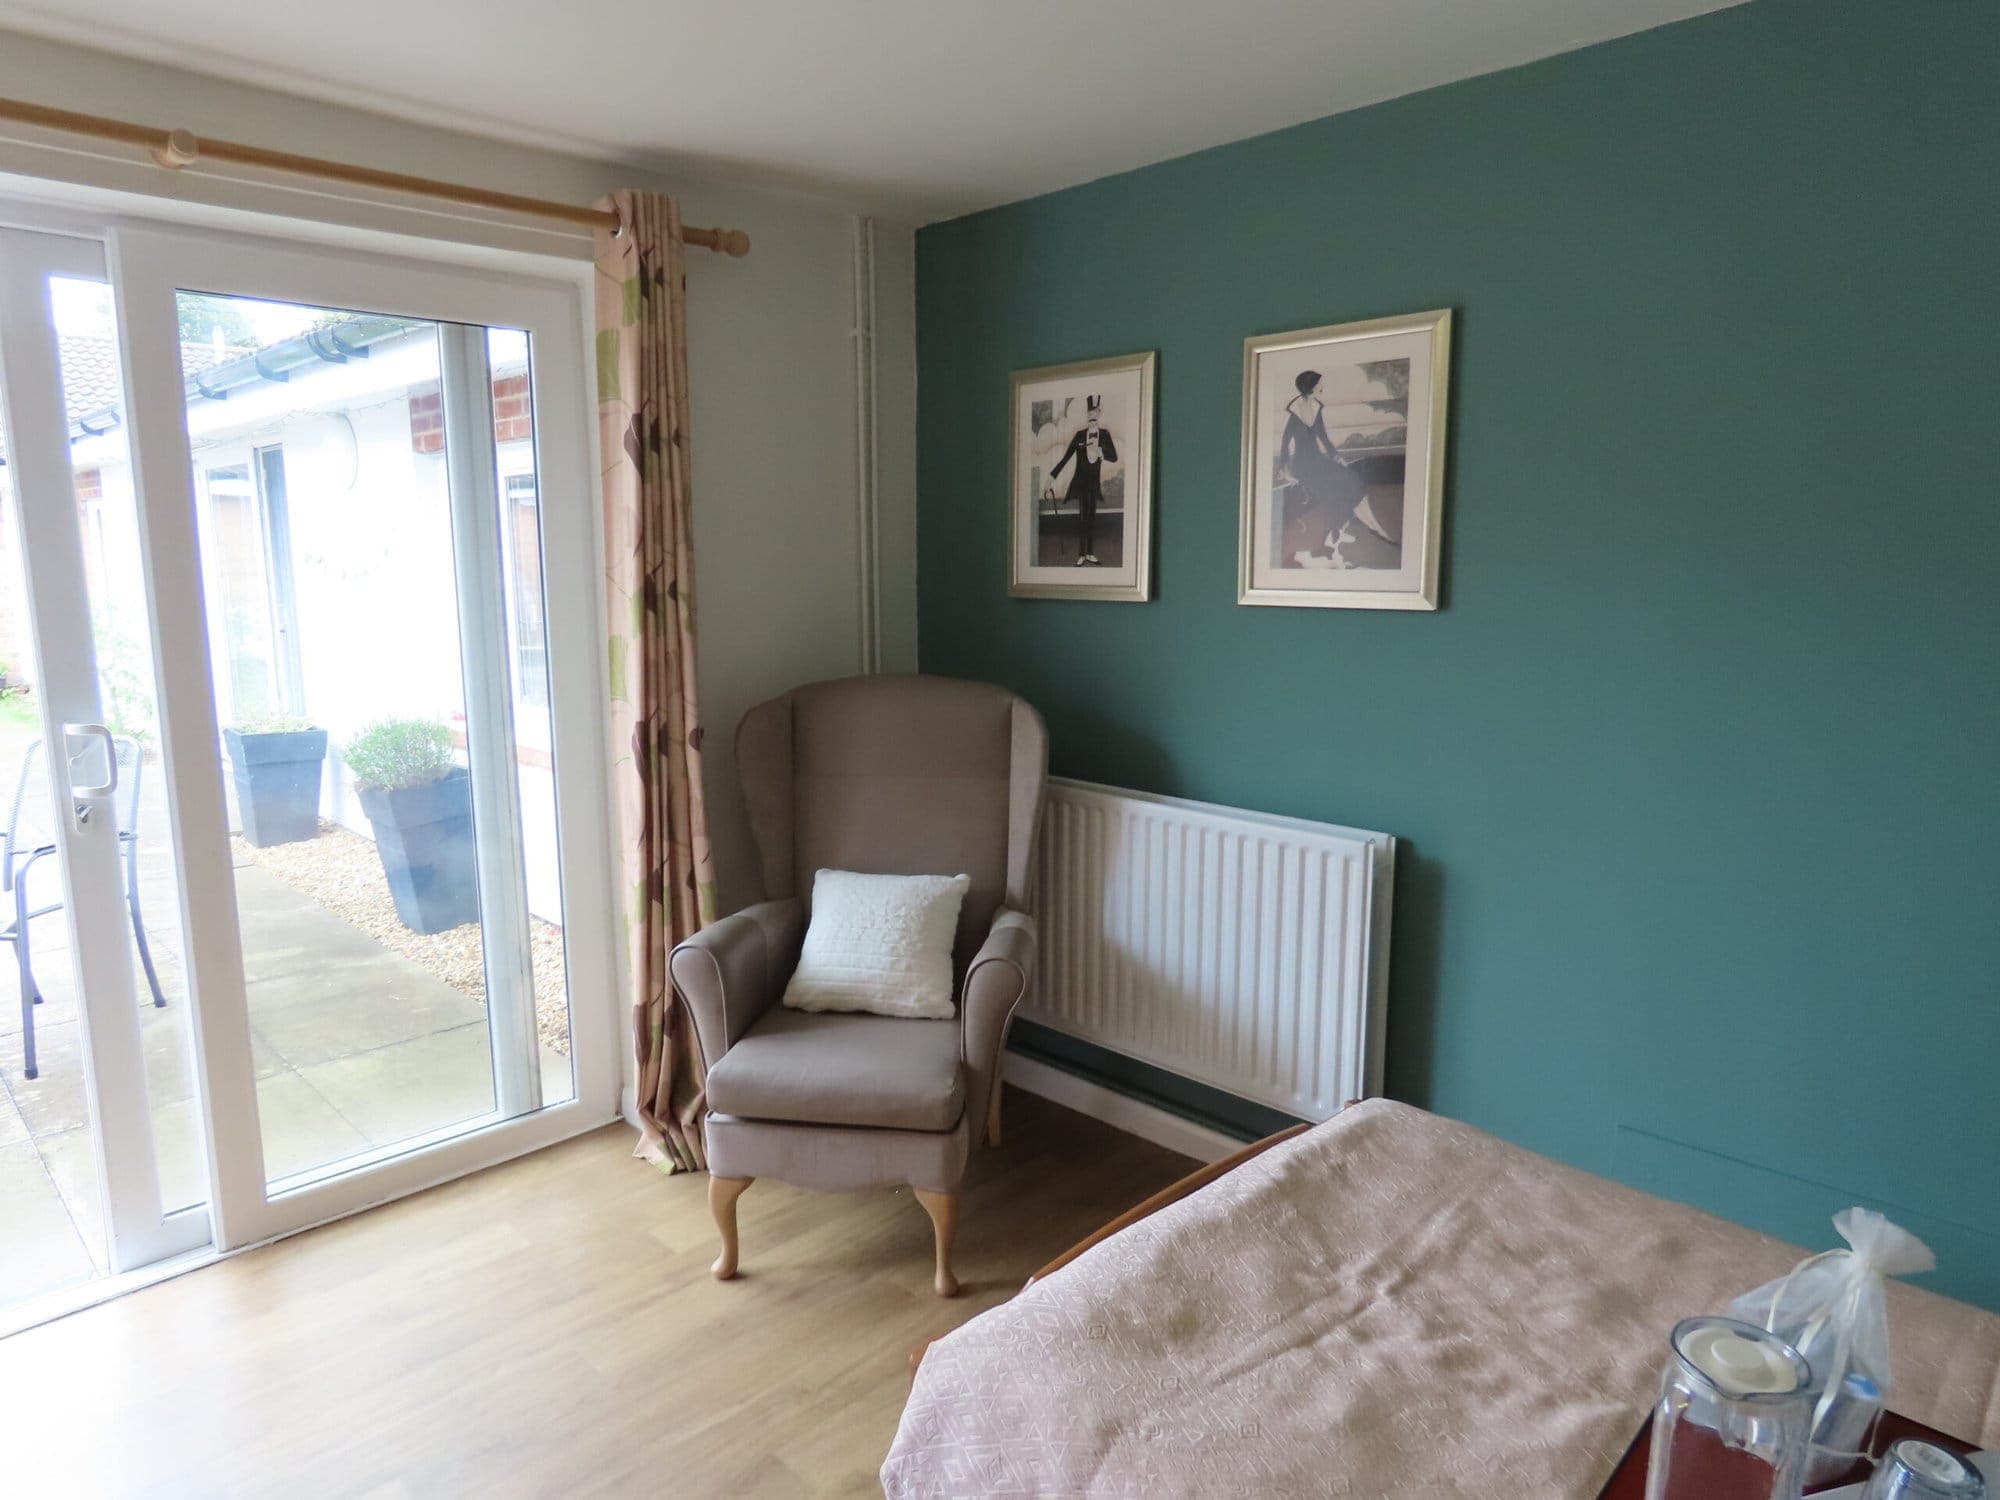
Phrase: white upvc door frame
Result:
[548,297]
[478,514]
[149,265]
[33,414]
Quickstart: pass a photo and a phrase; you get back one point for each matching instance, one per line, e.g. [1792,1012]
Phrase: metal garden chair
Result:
[19,854]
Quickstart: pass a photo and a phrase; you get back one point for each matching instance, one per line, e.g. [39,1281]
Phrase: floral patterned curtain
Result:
[666,873]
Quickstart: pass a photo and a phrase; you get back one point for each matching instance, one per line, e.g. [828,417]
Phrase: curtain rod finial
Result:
[734,243]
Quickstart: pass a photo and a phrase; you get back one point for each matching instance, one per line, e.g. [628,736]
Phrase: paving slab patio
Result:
[355,1049]
[40,1248]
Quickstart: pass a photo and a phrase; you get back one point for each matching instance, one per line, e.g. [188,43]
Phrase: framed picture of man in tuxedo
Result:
[1081,480]
[1343,464]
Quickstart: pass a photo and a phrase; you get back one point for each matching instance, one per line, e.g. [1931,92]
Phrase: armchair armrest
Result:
[994,984]
[734,970]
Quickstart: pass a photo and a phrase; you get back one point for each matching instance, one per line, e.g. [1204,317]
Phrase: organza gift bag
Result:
[1832,1308]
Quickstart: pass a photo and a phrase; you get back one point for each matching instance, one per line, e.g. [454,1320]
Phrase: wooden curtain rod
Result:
[174,149]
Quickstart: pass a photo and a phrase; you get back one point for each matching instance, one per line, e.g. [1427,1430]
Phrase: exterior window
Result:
[243,595]
[524,543]
[250,574]
[280,577]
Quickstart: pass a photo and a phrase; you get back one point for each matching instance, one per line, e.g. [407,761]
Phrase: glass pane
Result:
[372,626]
[51,1234]
[87,347]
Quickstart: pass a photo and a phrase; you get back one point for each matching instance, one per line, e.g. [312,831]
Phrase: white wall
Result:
[771,364]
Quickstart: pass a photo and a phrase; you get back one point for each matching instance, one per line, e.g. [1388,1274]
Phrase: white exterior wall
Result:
[372,567]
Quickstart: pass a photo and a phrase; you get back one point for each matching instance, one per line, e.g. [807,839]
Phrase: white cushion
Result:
[879,943]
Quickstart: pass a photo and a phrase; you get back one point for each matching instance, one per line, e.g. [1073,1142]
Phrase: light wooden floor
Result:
[549,1328]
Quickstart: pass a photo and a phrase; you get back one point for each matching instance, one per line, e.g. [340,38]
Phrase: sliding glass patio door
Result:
[318,561]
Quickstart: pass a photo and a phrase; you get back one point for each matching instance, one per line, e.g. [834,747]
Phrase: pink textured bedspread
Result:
[1391,1304]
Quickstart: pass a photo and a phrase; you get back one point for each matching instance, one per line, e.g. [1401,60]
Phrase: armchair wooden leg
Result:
[722,1195]
[943,1209]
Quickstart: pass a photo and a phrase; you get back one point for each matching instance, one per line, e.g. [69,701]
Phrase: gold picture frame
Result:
[1085,429]
[1342,502]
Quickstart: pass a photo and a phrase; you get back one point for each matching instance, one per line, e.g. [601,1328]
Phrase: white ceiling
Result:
[924,107]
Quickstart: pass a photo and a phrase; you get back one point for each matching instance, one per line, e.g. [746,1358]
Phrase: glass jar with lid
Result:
[1734,1415]
[1916,1470]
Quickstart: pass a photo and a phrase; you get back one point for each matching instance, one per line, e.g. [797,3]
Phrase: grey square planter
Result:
[277,779]
[423,835]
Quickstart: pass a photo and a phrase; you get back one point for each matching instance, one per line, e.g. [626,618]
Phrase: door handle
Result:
[84,798]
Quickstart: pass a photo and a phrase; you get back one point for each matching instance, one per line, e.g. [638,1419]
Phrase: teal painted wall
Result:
[1696,767]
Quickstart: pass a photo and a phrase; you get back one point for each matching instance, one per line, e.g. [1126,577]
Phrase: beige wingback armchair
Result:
[887,776]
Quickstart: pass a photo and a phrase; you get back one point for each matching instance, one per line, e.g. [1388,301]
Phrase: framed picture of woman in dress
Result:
[1343,464]
[1081,480]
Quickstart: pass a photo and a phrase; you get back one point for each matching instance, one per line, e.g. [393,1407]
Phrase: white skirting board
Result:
[1134,1117]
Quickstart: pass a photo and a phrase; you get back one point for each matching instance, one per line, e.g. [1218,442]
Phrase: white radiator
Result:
[1247,951]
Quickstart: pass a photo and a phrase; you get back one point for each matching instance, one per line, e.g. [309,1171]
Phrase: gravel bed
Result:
[338,871]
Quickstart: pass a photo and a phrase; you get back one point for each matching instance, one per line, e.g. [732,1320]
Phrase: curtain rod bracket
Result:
[179,149]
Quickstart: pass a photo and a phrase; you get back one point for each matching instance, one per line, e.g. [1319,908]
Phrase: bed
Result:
[1387,1304]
